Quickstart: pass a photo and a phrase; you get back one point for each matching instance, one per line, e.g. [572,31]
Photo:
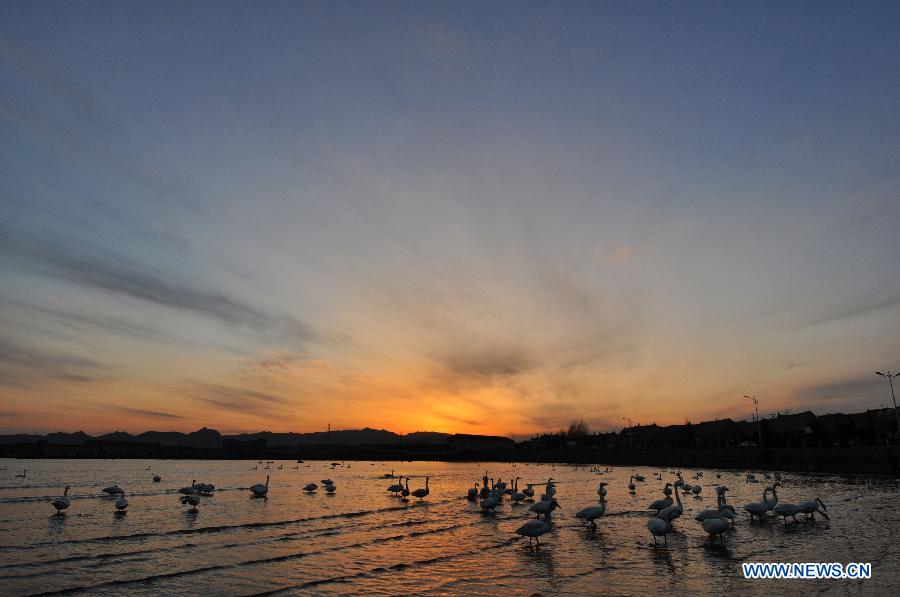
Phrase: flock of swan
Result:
[490,495]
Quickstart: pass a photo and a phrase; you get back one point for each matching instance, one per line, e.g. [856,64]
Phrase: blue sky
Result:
[452,216]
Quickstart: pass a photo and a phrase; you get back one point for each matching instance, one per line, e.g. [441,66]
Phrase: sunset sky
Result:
[463,217]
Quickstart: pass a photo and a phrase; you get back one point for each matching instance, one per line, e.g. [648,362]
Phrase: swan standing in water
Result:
[812,506]
[516,495]
[663,503]
[592,513]
[759,509]
[660,527]
[310,487]
[61,503]
[422,493]
[396,488]
[330,488]
[404,495]
[260,490]
[715,526]
[784,510]
[529,491]
[674,511]
[472,494]
[544,507]
[121,503]
[193,499]
[631,485]
[533,529]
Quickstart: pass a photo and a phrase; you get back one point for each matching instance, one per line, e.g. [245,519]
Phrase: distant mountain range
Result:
[210,438]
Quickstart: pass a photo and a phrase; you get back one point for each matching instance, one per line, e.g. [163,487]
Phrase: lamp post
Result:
[890,379]
[758,428]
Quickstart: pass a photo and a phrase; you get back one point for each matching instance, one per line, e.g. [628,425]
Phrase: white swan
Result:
[193,499]
[811,507]
[674,511]
[529,491]
[516,495]
[489,503]
[310,487]
[715,526]
[112,490]
[327,482]
[187,490]
[533,529]
[663,503]
[472,494]
[696,489]
[631,485]
[61,503]
[422,493]
[404,495]
[784,510]
[396,488]
[330,488]
[260,490]
[659,527]
[759,509]
[592,513]
[544,507]
[121,503]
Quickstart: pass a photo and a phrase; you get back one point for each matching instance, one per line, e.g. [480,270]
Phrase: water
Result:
[363,541]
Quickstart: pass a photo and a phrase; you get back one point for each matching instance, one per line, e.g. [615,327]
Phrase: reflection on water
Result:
[362,540]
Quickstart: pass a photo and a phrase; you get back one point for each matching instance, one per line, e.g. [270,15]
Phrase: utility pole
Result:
[758,428]
[890,379]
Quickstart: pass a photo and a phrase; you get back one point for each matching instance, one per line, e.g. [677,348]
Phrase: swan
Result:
[121,503]
[696,489]
[330,488]
[591,513]
[112,490]
[674,511]
[25,472]
[389,475]
[550,491]
[61,503]
[663,503]
[191,498]
[490,502]
[639,478]
[720,511]
[774,501]
[157,478]
[421,493]
[472,494]
[533,529]
[812,506]
[686,488]
[529,491]
[310,487]
[715,526]
[404,495]
[759,509]
[784,510]
[204,488]
[187,490]
[516,495]
[631,485]
[396,488]
[544,507]
[659,527]
[327,482]
[515,487]
[260,490]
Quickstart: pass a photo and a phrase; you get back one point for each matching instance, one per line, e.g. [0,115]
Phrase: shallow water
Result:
[362,540]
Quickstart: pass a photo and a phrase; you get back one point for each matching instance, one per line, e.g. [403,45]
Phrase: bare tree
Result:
[577,429]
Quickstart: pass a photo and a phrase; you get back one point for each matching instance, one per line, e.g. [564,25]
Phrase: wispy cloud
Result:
[148,413]
[117,276]
[20,362]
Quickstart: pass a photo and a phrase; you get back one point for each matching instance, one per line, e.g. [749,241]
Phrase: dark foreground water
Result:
[363,541]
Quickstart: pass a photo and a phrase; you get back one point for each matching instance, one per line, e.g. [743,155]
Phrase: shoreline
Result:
[860,460]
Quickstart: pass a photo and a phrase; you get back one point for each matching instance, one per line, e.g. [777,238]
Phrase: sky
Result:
[463,217]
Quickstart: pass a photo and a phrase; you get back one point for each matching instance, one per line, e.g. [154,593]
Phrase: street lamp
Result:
[758,429]
[890,379]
